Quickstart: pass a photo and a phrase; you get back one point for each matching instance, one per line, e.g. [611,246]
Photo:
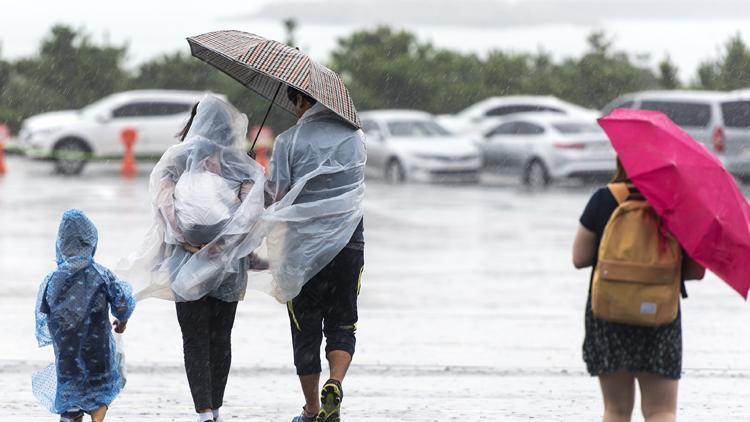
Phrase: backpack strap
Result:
[621,191]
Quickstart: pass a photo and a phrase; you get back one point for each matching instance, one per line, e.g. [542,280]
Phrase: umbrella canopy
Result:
[698,200]
[262,65]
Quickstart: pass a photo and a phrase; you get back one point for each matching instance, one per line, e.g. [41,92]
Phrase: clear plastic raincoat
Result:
[317,179]
[71,314]
[207,193]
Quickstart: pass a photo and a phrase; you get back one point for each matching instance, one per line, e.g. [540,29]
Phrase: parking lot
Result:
[470,310]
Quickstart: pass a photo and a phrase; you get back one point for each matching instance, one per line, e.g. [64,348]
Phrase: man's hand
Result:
[120,326]
[190,248]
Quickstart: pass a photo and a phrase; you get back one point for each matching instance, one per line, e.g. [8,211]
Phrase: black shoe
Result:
[330,402]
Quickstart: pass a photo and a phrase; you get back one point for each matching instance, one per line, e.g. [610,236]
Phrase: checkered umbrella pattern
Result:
[261,64]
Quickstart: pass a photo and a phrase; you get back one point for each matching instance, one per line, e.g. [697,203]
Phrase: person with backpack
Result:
[632,322]
[207,194]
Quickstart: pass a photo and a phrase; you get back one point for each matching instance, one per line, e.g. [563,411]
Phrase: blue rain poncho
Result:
[317,182]
[72,315]
[206,192]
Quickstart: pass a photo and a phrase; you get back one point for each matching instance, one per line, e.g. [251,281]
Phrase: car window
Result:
[617,104]
[519,108]
[416,128]
[151,109]
[736,114]
[525,128]
[570,128]
[503,129]
[369,127]
[683,114]
[516,128]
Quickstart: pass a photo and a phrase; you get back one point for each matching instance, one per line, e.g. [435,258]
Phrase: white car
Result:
[542,147]
[410,145]
[471,118]
[72,137]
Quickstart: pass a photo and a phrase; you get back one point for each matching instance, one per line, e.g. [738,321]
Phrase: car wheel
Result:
[536,175]
[394,172]
[71,156]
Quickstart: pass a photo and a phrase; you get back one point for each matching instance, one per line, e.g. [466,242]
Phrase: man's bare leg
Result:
[339,362]
[311,389]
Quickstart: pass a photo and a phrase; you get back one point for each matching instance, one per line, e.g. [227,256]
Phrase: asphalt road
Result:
[470,310]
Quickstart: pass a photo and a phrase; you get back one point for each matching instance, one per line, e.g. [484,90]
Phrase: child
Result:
[71,314]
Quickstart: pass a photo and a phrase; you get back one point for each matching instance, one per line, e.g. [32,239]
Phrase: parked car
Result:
[543,147]
[410,145]
[70,138]
[718,120]
[471,118]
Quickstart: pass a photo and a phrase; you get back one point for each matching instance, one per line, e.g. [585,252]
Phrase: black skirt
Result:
[610,346]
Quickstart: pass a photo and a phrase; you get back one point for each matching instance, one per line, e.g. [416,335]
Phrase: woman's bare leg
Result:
[658,397]
[618,391]
[98,414]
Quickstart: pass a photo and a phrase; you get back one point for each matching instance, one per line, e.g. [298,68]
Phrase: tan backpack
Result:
[638,276]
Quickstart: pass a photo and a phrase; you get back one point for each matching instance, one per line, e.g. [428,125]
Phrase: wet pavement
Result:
[470,310]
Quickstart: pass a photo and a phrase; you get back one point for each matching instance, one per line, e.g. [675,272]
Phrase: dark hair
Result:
[183,133]
[292,94]
[620,175]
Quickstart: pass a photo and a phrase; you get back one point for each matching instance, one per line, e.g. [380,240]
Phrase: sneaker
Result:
[304,417]
[330,401]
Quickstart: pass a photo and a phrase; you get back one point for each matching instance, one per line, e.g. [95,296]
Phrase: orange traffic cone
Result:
[261,156]
[4,135]
[2,158]
[129,136]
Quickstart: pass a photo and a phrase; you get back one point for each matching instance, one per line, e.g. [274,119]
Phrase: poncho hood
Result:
[77,237]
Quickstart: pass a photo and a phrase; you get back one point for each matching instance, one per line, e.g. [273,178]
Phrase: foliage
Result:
[382,67]
[731,71]
[392,69]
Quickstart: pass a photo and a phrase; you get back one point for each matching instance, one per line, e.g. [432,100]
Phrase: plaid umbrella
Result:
[263,65]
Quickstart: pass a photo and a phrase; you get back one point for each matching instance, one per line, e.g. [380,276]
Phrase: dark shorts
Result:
[326,305]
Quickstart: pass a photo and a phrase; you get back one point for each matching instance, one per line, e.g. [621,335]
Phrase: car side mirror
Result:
[103,117]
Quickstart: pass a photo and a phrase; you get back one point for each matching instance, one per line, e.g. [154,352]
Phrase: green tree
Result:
[68,72]
[730,71]
[668,78]
[290,25]
[182,71]
[601,75]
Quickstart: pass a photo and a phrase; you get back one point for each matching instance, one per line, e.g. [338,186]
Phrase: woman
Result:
[620,354]
[207,196]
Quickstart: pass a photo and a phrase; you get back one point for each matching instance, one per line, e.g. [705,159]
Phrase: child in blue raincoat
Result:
[72,315]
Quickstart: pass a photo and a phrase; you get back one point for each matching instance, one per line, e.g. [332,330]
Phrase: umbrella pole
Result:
[260,128]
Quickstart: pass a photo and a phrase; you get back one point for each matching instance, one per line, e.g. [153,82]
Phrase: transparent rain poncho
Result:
[317,179]
[206,193]
[72,314]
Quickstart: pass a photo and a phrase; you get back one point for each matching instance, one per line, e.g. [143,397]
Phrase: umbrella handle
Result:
[260,128]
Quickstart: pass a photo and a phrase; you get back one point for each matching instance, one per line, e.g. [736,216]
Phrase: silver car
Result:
[718,120]
[409,145]
[543,147]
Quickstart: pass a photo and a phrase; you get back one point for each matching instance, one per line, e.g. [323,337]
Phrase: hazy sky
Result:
[690,31]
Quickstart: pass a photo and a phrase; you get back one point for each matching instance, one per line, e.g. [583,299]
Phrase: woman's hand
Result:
[120,326]
[190,248]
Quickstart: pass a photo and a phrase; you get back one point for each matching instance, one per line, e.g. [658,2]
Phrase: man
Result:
[326,154]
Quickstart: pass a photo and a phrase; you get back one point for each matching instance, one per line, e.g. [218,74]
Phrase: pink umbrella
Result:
[697,198]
